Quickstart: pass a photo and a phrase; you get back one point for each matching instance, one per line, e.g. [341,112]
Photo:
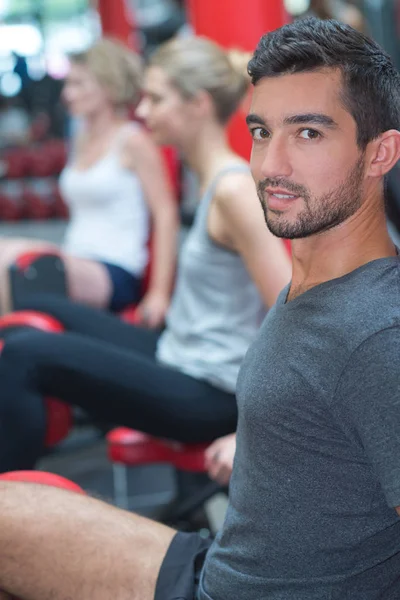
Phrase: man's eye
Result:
[258,133]
[309,134]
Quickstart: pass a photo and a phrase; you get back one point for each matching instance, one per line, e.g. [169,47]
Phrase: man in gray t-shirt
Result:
[317,471]
[315,491]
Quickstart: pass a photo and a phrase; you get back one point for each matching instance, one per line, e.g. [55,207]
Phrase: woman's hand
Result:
[219,458]
[152,309]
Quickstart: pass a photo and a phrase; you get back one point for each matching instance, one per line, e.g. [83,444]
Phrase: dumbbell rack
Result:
[29,181]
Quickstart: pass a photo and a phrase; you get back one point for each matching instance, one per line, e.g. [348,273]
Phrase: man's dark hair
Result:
[371,83]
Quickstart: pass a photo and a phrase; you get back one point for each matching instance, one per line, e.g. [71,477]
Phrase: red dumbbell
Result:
[58,151]
[60,208]
[41,162]
[15,163]
[12,206]
[39,198]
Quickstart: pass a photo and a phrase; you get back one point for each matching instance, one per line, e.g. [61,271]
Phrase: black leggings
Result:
[106,367]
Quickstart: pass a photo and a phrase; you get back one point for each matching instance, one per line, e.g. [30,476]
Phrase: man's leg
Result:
[57,545]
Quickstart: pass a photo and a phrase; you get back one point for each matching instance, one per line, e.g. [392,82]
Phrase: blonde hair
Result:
[116,68]
[197,63]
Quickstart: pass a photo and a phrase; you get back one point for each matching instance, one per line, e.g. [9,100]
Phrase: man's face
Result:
[305,160]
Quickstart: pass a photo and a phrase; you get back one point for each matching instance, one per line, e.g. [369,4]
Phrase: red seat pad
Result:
[44,478]
[133,448]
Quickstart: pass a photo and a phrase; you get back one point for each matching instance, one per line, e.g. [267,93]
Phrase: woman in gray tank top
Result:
[180,384]
[231,267]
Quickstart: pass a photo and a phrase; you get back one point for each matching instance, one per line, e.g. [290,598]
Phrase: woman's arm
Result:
[146,160]
[219,458]
[236,220]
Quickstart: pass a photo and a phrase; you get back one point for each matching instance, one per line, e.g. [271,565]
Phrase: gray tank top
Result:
[216,309]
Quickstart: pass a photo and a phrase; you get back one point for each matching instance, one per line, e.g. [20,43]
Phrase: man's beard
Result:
[319,214]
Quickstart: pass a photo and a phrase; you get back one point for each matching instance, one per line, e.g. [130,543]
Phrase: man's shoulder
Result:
[368,299]
[381,346]
[378,295]
[370,370]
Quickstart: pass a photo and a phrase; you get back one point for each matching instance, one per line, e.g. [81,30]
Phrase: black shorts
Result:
[127,289]
[180,571]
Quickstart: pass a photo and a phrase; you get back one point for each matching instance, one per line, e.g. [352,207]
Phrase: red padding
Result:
[59,421]
[43,478]
[31,318]
[130,315]
[27,258]
[133,448]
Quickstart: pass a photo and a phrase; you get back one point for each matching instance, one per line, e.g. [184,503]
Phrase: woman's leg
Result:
[94,323]
[88,281]
[99,285]
[22,419]
[114,385]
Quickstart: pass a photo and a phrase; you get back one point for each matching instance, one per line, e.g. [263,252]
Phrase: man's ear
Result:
[384,153]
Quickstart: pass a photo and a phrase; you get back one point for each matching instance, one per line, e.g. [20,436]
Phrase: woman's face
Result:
[169,117]
[82,93]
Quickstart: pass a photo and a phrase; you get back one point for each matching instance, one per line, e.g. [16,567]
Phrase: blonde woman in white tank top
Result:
[114,184]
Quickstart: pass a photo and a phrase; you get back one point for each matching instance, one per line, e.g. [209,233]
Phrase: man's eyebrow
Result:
[311,119]
[255,119]
[300,119]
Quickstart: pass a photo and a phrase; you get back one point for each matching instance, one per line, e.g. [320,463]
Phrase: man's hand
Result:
[219,458]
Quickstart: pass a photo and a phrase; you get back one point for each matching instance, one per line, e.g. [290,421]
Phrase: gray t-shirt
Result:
[317,468]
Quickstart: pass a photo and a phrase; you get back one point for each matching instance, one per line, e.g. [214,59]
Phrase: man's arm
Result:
[368,398]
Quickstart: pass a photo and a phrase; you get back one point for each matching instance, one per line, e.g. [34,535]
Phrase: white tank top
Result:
[216,309]
[109,216]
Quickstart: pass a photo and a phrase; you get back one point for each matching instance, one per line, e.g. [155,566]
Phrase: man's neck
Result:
[340,250]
